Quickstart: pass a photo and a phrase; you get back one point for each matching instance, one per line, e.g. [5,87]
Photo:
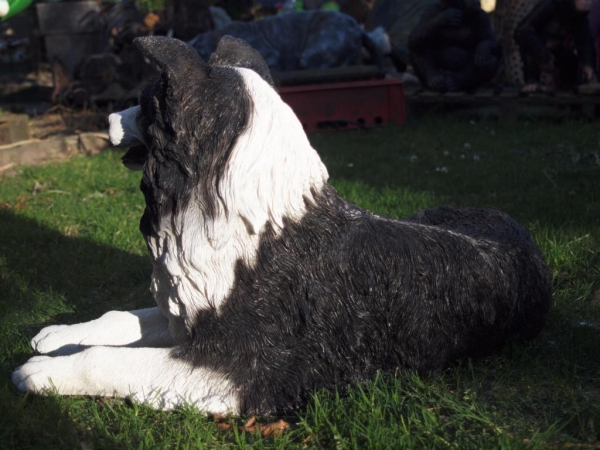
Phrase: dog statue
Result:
[268,284]
[301,40]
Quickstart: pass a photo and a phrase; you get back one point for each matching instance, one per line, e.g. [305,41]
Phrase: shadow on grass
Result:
[47,278]
[46,275]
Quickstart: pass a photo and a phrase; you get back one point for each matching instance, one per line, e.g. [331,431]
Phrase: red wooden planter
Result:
[364,103]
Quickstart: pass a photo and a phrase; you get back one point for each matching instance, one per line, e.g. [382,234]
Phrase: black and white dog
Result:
[268,284]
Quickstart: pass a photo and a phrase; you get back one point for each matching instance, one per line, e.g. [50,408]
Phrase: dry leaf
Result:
[151,20]
[21,203]
[71,230]
[37,187]
[251,421]
[274,429]
[251,426]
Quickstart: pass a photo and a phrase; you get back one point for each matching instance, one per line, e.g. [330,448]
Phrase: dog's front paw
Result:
[36,375]
[53,338]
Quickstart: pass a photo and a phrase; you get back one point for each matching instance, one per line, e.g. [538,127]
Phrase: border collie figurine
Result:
[268,284]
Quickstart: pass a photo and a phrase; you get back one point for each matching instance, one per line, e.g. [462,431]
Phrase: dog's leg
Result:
[149,375]
[140,328]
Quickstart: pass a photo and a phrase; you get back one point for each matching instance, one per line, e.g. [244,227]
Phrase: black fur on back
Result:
[340,293]
[343,294]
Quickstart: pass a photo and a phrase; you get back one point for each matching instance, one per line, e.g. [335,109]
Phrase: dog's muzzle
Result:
[122,128]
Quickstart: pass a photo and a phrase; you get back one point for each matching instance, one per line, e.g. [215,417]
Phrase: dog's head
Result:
[217,138]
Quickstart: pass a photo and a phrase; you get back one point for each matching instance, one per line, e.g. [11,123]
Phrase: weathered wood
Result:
[13,128]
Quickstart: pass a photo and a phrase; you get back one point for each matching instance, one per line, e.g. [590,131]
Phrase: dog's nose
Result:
[122,128]
[116,133]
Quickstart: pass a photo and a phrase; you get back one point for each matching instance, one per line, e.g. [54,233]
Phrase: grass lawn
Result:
[70,250]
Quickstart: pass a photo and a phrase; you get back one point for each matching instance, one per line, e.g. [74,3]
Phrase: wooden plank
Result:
[589,89]
[317,76]
[428,93]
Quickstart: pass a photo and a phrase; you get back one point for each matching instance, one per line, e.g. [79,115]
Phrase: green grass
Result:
[70,250]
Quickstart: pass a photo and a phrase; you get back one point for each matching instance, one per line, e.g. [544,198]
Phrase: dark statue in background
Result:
[297,41]
[556,45]
[453,47]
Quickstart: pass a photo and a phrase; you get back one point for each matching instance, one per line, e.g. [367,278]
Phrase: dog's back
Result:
[343,293]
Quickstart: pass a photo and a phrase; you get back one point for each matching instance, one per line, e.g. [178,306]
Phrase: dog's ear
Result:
[177,59]
[238,53]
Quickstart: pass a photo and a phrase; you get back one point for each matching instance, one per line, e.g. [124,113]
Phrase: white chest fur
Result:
[268,177]
[191,273]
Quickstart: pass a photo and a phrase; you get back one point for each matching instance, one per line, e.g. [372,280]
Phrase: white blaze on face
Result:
[123,130]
